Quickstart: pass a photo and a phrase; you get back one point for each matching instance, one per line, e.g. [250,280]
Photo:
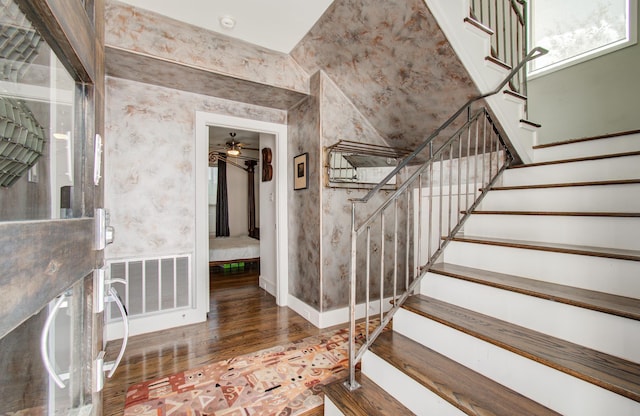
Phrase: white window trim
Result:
[632,39]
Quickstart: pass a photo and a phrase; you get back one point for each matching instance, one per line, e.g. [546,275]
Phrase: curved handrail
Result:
[533,54]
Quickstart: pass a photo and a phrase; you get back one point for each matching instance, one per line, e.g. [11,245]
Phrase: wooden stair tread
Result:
[498,62]
[588,299]
[578,159]
[560,213]
[515,95]
[586,139]
[612,373]
[568,184]
[474,22]
[467,390]
[607,252]
[369,399]
[530,123]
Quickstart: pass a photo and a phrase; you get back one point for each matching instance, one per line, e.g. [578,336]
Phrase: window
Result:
[577,30]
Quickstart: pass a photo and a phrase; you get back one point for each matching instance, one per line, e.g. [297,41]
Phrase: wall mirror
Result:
[360,165]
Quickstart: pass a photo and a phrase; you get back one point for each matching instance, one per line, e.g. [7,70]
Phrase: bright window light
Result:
[577,30]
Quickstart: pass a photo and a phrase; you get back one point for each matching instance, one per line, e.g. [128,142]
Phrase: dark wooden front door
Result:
[51,108]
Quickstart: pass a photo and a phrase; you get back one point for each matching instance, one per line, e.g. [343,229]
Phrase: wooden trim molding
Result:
[69,32]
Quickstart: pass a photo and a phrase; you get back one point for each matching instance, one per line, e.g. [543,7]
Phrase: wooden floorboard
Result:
[611,253]
[615,374]
[588,299]
[243,318]
[465,389]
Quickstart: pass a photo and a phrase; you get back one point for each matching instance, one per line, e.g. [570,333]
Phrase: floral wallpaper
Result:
[393,63]
[129,65]
[382,72]
[150,160]
[148,33]
[305,238]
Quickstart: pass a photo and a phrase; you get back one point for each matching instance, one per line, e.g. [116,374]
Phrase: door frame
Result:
[203,121]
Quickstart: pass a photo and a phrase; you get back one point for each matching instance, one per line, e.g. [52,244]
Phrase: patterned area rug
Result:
[283,380]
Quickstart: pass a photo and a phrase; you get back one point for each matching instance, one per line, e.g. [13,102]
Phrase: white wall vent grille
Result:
[154,285]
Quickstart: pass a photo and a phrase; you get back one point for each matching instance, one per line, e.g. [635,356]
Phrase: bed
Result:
[226,250]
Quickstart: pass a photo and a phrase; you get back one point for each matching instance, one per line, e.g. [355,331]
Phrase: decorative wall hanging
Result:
[21,136]
[22,140]
[301,171]
[267,168]
[19,42]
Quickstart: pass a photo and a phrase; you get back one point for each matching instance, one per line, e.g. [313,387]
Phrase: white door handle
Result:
[44,341]
[113,297]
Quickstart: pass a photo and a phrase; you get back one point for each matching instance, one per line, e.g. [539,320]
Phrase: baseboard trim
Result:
[268,285]
[336,316]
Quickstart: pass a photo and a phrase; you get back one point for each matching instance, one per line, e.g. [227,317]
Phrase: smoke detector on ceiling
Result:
[227,22]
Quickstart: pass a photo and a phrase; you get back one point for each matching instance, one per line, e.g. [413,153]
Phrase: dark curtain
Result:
[222,204]
[251,198]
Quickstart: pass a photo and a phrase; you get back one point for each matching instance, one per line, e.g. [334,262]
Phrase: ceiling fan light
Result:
[233,151]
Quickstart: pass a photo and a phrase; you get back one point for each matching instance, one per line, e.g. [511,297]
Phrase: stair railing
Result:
[448,182]
[508,20]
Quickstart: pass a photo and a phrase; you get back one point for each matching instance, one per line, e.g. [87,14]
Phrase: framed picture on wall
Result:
[301,171]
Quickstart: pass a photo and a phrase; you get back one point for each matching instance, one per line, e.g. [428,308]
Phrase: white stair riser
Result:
[621,144]
[554,389]
[610,232]
[403,388]
[618,277]
[603,332]
[330,409]
[610,198]
[627,167]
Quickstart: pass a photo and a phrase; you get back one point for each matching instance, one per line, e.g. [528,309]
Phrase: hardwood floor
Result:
[243,318]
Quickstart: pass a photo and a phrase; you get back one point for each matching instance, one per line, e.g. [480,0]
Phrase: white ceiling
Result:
[273,24]
[218,136]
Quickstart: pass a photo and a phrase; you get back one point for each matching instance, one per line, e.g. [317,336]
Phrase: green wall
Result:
[595,97]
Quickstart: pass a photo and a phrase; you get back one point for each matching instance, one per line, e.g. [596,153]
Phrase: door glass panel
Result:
[37,133]
[26,388]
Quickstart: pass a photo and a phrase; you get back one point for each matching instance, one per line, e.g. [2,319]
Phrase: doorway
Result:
[234,202]
[272,201]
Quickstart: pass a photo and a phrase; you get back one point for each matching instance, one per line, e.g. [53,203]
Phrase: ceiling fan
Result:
[234,148]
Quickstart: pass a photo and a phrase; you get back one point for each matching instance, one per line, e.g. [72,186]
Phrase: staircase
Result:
[535,305]
[530,305]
